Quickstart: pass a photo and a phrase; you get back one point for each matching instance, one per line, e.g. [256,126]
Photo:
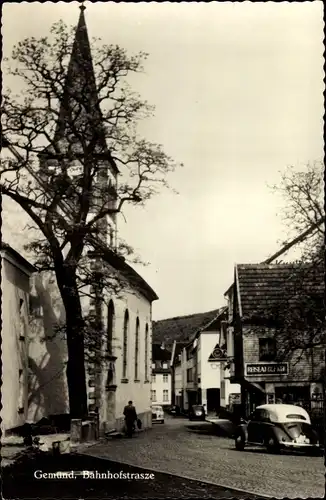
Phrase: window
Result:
[125,345]
[146,352]
[189,375]
[165,378]
[260,416]
[267,349]
[153,378]
[165,366]
[189,354]
[153,395]
[165,395]
[153,365]
[110,327]
[136,349]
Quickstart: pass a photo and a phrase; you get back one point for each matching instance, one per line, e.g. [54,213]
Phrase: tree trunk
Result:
[76,376]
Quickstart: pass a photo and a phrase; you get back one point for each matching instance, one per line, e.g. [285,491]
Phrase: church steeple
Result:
[80,117]
[79,132]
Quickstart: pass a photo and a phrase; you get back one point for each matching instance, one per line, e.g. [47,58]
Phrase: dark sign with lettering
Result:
[266,369]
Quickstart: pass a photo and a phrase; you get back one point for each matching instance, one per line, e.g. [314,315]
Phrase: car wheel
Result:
[240,442]
[162,422]
[272,445]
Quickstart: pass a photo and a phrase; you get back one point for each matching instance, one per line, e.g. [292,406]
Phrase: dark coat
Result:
[130,413]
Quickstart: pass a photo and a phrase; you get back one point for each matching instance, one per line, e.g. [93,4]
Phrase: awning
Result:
[253,386]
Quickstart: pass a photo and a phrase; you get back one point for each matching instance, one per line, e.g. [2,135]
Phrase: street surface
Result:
[19,481]
[192,450]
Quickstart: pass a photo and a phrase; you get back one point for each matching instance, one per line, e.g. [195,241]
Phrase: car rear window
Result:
[157,408]
[295,416]
[197,407]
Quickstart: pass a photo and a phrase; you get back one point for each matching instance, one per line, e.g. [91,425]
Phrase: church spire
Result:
[80,117]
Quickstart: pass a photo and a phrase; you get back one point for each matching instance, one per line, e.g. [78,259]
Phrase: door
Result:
[213,399]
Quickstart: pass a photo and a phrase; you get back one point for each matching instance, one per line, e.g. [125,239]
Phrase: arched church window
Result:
[125,344]
[137,349]
[110,327]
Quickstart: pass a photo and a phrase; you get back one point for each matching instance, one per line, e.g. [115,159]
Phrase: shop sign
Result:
[254,369]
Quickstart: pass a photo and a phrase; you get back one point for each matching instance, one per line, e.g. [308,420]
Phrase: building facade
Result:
[196,369]
[161,386]
[15,300]
[256,354]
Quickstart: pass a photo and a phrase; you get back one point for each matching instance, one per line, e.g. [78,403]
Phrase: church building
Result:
[124,371]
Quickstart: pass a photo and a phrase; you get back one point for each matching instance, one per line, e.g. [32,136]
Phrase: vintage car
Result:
[277,426]
[157,414]
[197,412]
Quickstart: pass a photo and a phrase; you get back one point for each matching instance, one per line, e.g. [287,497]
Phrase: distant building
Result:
[177,382]
[161,375]
[196,374]
[254,347]
[15,290]
[180,328]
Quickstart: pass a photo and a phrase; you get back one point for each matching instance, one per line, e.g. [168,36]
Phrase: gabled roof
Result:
[176,351]
[119,263]
[159,354]
[262,286]
[182,328]
[5,248]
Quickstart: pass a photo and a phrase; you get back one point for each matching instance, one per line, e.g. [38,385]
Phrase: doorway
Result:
[213,399]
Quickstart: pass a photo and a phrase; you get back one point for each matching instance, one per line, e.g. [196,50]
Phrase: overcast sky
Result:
[238,95]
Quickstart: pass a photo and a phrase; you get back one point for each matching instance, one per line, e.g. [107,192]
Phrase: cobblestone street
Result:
[192,450]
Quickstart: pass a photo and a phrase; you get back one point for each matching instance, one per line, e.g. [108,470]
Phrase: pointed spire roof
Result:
[80,118]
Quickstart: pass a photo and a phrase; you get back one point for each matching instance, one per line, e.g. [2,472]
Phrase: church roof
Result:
[133,278]
[80,113]
[4,247]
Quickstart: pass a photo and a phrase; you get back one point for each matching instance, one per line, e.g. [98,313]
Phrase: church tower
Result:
[79,136]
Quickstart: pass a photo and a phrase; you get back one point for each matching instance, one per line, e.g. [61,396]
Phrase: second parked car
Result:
[157,414]
[197,412]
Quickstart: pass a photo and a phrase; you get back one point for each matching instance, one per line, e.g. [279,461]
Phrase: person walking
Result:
[130,415]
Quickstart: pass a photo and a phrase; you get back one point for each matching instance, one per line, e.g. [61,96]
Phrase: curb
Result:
[227,487]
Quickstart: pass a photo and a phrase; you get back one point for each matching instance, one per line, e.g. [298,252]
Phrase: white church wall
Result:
[128,388]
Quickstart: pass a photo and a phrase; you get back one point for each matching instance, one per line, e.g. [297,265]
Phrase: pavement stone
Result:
[193,451]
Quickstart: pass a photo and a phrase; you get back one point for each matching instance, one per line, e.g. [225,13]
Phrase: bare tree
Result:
[304,213]
[299,312]
[74,126]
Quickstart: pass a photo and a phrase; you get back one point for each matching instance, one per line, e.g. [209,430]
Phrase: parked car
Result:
[157,414]
[174,410]
[197,412]
[277,426]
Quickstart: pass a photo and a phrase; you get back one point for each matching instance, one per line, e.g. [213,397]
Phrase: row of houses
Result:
[239,356]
